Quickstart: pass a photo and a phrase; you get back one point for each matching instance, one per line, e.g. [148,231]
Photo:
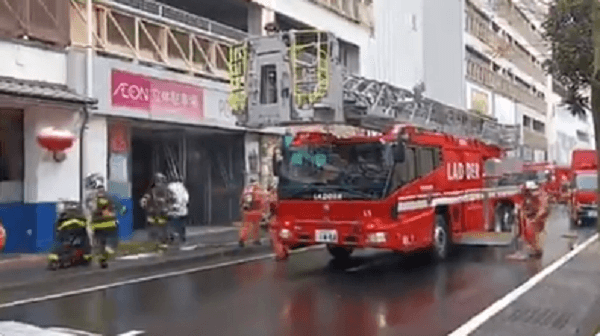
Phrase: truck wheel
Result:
[506,218]
[441,238]
[338,252]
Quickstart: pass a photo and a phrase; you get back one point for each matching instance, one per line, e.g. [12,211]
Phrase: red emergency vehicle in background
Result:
[584,186]
[552,178]
[405,190]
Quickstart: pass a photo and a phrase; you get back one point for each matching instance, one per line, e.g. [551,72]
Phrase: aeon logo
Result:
[156,95]
[132,92]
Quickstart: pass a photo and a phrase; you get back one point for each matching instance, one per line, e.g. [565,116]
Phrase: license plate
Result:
[593,213]
[326,236]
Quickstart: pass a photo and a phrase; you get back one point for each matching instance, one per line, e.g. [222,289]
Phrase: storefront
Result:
[152,120]
[32,179]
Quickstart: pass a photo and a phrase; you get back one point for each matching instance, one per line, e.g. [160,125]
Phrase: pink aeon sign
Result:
[156,96]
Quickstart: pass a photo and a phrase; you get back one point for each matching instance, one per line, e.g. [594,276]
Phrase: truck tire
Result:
[339,252]
[441,239]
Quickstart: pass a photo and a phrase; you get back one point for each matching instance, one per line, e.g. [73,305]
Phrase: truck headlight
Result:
[285,234]
[377,238]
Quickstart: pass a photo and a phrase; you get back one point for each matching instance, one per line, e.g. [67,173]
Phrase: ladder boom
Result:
[295,77]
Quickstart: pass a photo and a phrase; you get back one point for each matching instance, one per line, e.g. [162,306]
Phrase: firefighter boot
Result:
[103,259]
[53,262]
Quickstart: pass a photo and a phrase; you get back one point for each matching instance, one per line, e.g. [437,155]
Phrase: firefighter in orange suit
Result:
[281,251]
[536,209]
[253,209]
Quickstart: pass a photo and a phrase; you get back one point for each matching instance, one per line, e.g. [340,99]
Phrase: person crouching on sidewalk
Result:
[253,202]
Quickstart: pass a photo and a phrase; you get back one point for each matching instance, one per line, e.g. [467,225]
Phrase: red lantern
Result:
[56,141]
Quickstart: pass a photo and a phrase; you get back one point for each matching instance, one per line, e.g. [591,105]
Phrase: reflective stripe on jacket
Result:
[103,225]
[72,223]
[158,220]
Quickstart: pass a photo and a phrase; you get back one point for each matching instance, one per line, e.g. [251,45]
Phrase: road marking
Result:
[496,307]
[148,278]
[74,332]
[138,256]
[132,333]
[211,231]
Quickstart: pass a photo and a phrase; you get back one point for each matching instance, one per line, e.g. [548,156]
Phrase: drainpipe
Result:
[86,117]
[89,93]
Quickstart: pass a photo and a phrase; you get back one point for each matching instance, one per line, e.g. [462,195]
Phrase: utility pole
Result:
[596,78]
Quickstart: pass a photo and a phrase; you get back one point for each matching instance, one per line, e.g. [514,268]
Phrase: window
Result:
[410,164]
[583,136]
[268,84]
[11,156]
[539,126]
[526,121]
[428,159]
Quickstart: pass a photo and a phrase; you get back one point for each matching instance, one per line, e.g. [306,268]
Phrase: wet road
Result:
[375,294]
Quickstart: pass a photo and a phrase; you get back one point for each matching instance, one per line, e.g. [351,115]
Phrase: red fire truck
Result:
[584,186]
[405,190]
[433,176]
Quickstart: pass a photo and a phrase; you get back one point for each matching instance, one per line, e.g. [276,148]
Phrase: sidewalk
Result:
[203,243]
[565,302]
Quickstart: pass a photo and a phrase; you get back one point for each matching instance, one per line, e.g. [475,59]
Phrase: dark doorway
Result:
[141,176]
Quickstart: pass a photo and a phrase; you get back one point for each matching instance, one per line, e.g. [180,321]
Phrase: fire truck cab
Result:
[584,186]
[405,190]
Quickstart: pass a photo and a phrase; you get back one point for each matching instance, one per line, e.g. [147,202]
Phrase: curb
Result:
[149,264]
[22,262]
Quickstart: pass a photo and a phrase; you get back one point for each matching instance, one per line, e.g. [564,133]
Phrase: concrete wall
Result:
[324,19]
[24,62]
[505,110]
[95,146]
[398,48]
[444,51]
[30,220]
[45,179]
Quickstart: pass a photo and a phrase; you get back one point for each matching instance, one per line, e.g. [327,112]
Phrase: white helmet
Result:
[94,181]
[531,185]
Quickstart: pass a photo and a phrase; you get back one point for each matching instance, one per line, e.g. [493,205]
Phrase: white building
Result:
[572,132]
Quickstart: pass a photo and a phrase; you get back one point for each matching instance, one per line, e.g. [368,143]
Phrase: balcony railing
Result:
[360,11]
[534,139]
[481,73]
[479,27]
[524,62]
[43,21]
[153,33]
[507,10]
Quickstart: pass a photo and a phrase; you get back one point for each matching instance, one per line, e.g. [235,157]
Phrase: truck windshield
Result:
[356,171]
[587,182]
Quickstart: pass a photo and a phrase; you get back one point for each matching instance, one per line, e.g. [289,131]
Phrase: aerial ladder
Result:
[296,78]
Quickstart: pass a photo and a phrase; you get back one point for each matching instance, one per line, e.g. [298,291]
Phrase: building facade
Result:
[505,79]
[34,96]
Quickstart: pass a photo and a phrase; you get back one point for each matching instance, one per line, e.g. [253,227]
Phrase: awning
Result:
[42,90]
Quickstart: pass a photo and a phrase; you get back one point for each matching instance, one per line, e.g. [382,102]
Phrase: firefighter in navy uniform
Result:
[103,223]
[157,203]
